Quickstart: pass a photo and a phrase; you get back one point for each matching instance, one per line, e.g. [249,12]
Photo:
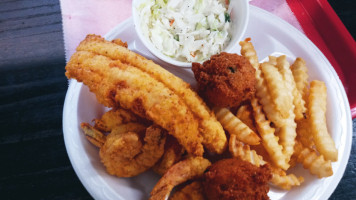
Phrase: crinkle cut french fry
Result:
[286,126]
[298,102]
[266,101]
[260,150]
[277,88]
[236,127]
[248,51]
[303,133]
[300,74]
[315,163]
[286,182]
[287,135]
[317,113]
[282,74]
[245,115]
[269,140]
[239,150]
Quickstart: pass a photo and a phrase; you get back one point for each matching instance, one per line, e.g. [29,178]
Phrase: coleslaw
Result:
[186,30]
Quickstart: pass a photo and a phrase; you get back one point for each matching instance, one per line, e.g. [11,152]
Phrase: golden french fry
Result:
[315,163]
[283,92]
[293,160]
[299,104]
[286,182]
[249,52]
[283,101]
[239,150]
[287,134]
[264,98]
[244,113]
[269,140]
[262,93]
[303,133]
[300,74]
[261,150]
[277,88]
[317,113]
[236,127]
[286,126]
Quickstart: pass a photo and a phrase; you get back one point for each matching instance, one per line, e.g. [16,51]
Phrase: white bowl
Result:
[239,19]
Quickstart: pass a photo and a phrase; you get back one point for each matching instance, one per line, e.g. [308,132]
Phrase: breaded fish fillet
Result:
[214,137]
[119,84]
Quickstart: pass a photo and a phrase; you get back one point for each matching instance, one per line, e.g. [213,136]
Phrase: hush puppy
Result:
[226,80]
[233,179]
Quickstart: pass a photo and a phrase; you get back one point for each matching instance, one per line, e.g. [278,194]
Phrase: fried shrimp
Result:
[192,191]
[213,134]
[114,118]
[119,84]
[122,151]
[190,168]
[93,135]
[173,153]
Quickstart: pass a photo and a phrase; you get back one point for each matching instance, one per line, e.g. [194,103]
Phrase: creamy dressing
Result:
[186,30]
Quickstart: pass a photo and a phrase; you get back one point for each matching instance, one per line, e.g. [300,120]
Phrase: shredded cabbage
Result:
[186,30]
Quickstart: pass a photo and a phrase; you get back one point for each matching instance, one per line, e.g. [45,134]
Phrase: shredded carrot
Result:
[192,54]
[171,22]
[248,39]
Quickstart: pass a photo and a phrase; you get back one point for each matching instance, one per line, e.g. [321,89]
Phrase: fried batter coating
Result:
[124,155]
[181,172]
[120,42]
[94,136]
[114,118]
[173,153]
[236,179]
[122,151]
[118,84]
[192,191]
[213,134]
[225,80]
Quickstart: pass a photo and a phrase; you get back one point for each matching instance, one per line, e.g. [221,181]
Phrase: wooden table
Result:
[34,162]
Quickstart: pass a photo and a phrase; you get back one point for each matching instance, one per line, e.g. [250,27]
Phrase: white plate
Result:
[269,34]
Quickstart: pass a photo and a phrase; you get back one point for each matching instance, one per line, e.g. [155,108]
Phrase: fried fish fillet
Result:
[214,137]
[118,84]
